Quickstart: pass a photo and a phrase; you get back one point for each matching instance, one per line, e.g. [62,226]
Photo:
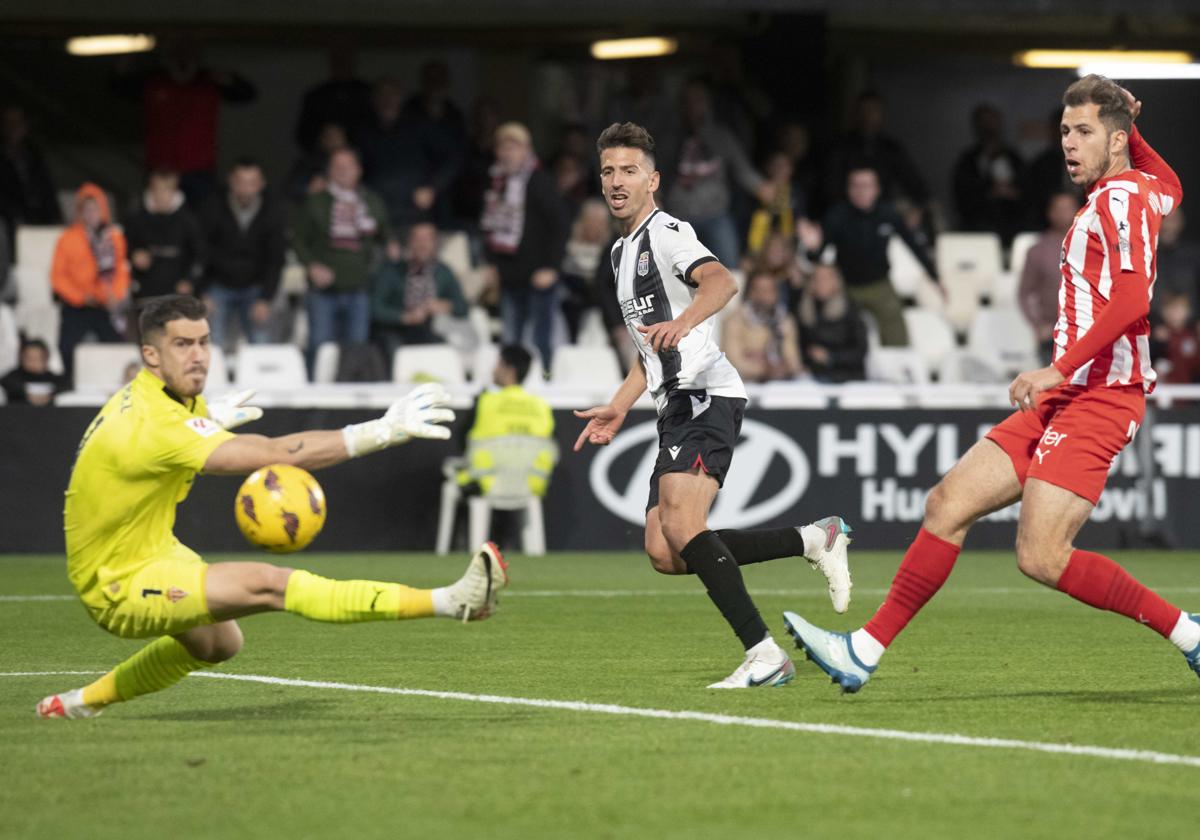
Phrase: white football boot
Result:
[765,665]
[473,596]
[69,705]
[830,560]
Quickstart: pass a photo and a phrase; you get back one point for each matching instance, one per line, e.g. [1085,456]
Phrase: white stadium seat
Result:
[1003,337]
[326,363]
[967,265]
[591,365]
[907,274]
[10,339]
[270,366]
[897,364]
[428,362]
[101,367]
[929,334]
[35,250]
[1022,242]
[218,373]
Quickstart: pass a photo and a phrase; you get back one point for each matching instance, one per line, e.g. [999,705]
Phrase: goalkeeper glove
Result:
[413,416]
[231,410]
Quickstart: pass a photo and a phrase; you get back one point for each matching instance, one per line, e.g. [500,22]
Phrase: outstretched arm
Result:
[604,421]
[416,415]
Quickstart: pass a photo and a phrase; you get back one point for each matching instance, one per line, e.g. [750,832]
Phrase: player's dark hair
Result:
[627,135]
[517,358]
[158,311]
[1099,90]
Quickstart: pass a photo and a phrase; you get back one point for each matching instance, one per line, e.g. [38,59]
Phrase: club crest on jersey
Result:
[643,267]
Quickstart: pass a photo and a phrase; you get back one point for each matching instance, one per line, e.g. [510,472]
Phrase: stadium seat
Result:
[482,322]
[484,362]
[907,274]
[218,373]
[1022,242]
[967,265]
[580,365]
[35,246]
[514,458]
[270,366]
[455,251]
[929,334]
[1003,336]
[428,362]
[326,363]
[592,332]
[101,367]
[901,365]
[964,366]
[10,339]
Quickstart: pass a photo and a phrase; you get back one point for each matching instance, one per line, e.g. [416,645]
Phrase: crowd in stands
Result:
[381,179]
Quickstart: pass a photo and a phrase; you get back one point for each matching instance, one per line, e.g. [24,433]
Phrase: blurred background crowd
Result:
[887,215]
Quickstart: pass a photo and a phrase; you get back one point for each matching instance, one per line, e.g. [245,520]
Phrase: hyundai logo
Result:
[760,445]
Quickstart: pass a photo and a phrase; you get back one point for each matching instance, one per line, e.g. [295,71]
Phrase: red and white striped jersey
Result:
[1114,240]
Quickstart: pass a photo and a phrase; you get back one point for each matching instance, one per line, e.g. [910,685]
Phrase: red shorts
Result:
[1071,438]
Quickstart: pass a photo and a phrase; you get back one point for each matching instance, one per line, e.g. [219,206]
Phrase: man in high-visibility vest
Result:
[507,411]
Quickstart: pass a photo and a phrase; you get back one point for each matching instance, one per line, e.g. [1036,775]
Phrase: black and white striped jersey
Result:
[653,267]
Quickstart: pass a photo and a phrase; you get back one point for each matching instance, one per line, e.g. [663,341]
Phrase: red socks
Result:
[1101,583]
[926,565]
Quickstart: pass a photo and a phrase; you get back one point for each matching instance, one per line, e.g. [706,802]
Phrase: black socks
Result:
[711,560]
[758,546]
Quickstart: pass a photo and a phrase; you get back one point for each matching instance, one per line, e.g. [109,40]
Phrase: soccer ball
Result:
[280,508]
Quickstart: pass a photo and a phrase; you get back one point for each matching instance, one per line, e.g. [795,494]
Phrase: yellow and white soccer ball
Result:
[280,508]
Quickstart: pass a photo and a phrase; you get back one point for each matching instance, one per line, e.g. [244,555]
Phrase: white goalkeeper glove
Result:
[415,415]
[231,410]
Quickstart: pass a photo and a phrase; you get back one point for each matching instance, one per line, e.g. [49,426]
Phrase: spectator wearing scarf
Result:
[759,337]
[337,235]
[408,294]
[832,335]
[525,228]
[89,275]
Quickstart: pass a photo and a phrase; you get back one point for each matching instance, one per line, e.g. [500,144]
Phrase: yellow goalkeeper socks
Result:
[158,665]
[322,599]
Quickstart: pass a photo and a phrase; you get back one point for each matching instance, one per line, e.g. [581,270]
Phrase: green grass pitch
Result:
[992,656]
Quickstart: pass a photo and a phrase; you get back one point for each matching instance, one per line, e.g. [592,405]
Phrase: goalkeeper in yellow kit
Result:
[137,461]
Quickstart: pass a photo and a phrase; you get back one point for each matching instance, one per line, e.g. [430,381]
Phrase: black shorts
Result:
[696,431]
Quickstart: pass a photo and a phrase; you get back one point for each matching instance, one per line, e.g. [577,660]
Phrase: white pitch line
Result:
[947,738]
[1115,753]
[693,592]
[20,598]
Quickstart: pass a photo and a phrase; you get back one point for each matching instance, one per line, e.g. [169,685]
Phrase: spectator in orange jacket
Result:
[89,275]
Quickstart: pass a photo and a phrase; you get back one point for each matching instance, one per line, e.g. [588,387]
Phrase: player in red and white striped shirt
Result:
[1074,416]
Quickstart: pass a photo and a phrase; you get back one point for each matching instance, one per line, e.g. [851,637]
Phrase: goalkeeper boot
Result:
[833,653]
[473,596]
[830,559]
[765,665]
[69,704]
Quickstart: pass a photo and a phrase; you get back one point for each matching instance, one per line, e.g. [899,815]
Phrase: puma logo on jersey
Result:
[637,307]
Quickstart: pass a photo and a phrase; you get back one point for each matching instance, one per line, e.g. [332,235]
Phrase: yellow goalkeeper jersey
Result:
[135,463]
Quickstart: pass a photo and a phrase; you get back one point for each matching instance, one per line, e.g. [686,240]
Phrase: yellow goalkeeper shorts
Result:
[162,598]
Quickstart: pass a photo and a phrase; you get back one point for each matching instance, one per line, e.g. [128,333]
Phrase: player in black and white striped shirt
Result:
[669,286]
